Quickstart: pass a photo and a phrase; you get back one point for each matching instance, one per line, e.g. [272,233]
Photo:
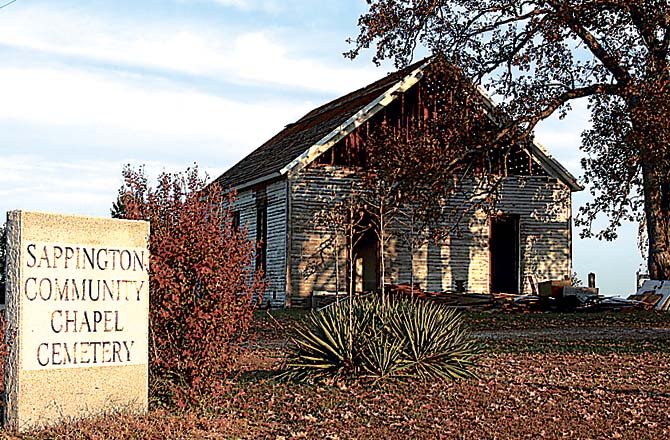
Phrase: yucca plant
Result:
[322,348]
[435,341]
[402,337]
[381,355]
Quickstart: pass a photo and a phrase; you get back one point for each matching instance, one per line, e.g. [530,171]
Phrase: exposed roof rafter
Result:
[354,122]
[283,156]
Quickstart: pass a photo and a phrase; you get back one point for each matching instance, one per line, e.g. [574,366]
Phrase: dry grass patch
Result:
[538,389]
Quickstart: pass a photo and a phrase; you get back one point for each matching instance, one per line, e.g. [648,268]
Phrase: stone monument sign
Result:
[77,307]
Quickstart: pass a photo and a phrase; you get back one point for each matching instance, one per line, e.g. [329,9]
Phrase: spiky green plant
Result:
[382,354]
[400,338]
[321,346]
[435,341]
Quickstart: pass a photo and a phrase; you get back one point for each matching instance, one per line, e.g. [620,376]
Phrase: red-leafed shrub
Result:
[203,289]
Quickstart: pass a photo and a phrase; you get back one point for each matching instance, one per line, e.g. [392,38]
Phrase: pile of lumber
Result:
[552,297]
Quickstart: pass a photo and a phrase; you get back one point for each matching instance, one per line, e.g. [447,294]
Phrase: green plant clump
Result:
[401,337]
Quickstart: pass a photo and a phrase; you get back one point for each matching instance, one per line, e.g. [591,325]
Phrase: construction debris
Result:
[553,296]
[617,304]
[655,294]
[552,288]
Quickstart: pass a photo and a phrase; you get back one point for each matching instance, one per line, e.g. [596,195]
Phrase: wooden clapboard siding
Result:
[544,209]
[542,204]
[275,194]
[463,255]
[276,246]
[312,190]
[245,204]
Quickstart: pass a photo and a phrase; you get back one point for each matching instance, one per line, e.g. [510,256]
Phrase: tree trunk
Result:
[650,111]
[337,268]
[411,254]
[350,301]
[656,186]
[382,226]
[411,269]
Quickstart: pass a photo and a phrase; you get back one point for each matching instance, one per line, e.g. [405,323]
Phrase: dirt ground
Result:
[596,376]
[578,333]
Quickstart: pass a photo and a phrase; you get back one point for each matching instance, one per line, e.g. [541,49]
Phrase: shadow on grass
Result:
[540,320]
[599,346]
[548,387]
[257,375]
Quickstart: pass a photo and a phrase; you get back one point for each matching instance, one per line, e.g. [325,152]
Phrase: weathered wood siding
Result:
[313,267]
[542,204]
[245,204]
[275,194]
[544,209]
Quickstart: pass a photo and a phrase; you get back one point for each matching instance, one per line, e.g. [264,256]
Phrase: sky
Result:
[87,86]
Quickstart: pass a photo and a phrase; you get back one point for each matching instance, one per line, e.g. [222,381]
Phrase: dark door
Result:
[504,247]
[366,263]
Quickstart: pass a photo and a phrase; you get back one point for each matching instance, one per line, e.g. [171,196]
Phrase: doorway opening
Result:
[504,258]
[366,258]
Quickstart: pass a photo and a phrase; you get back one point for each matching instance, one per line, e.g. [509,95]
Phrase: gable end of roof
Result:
[354,121]
[300,143]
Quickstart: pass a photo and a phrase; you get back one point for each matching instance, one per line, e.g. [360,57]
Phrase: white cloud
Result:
[250,57]
[33,182]
[78,129]
[563,137]
[247,5]
[266,6]
[243,4]
[129,112]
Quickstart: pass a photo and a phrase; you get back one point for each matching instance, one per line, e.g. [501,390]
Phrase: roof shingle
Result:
[297,137]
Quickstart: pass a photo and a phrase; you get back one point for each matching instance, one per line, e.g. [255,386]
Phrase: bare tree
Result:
[538,56]
[419,158]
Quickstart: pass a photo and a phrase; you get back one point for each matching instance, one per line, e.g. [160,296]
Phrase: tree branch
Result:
[497,24]
[637,16]
[552,106]
[568,12]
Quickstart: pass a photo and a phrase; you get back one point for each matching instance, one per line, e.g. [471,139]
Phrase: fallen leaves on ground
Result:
[539,389]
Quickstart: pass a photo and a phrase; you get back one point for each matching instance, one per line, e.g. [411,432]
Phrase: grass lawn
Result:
[598,375]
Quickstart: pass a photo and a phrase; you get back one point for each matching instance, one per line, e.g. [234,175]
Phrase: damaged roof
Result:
[296,138]
[302,141]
